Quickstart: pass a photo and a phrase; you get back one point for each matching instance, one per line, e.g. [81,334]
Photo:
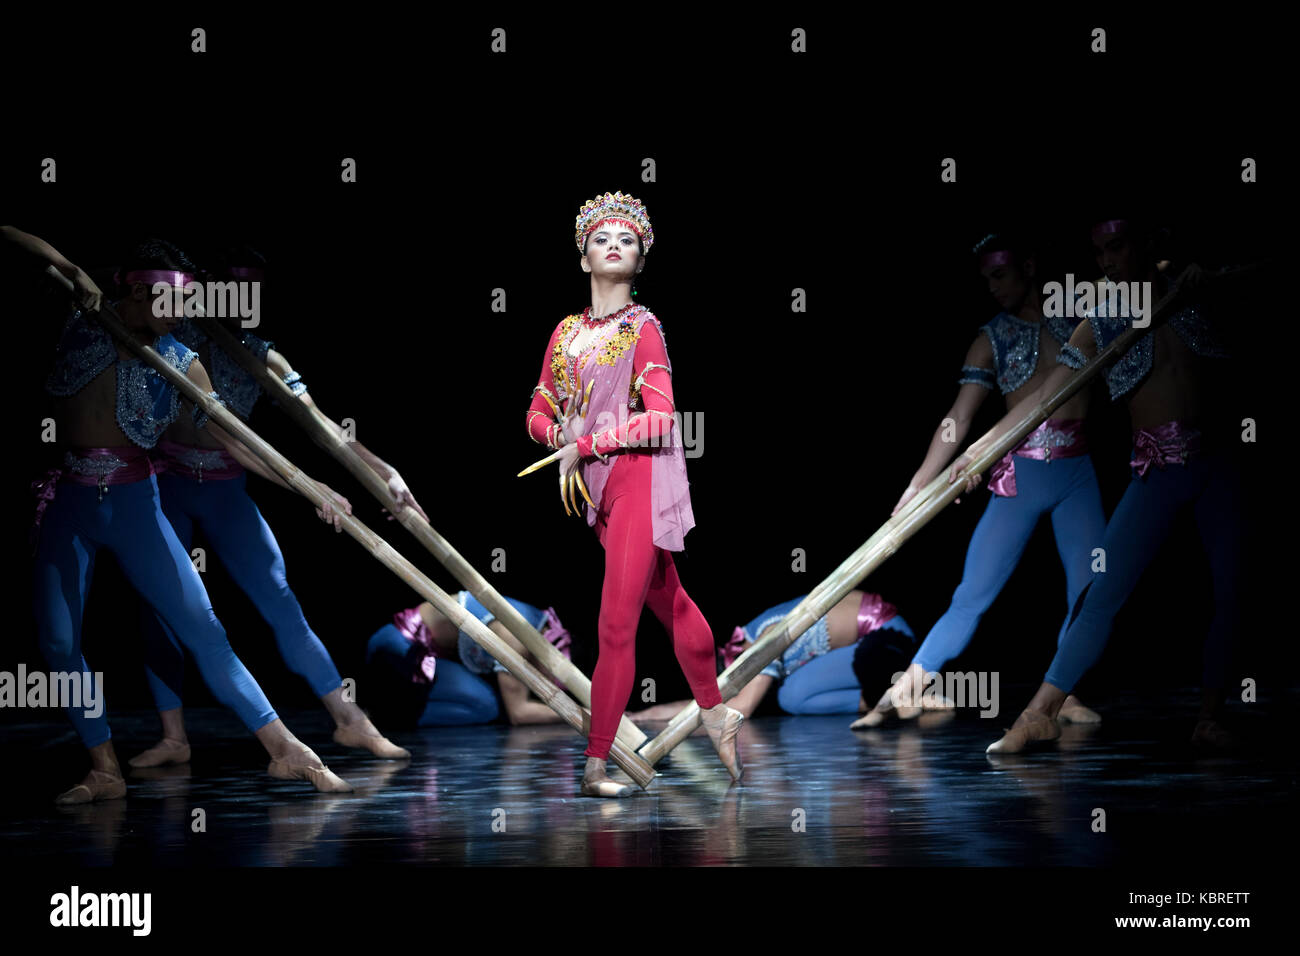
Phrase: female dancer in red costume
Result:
[616,441]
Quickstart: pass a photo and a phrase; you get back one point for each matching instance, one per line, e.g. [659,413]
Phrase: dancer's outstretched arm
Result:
[242,454]
[956,422]
[279,365]
[520,709]
[747,701]
[84,291]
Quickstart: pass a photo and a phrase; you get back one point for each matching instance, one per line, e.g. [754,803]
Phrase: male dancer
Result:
[203,486]
[1049,473]
[1163,377]
[114,408]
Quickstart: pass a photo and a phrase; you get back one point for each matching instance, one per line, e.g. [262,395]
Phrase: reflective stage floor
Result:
[813,793]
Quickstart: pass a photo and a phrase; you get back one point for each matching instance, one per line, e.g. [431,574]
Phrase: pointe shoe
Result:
[98,785]
[596,783]
[164,752]
[1212,735]
[722,728]
[1029,727]
[1073,712]
[364,734]
[322,778]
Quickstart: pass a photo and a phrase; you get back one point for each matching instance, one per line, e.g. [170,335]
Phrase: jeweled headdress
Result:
[614,208]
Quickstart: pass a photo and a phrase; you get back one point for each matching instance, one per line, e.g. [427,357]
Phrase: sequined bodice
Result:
[238,389]
[608,345]
[1015,346]
[1134,365]
[146,404]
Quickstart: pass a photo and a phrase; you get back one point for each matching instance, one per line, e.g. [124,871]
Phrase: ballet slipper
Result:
[295,767]
[596,783]
[363,733]
[722,723]
[872,718]
[164,751]
[1030,726]
[98,785]
[929,703]
[1074,712]
[1212,735]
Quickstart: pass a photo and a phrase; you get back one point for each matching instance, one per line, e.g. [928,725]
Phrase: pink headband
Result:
[245,272]
[150,276]
[1000,258]
[1109,227]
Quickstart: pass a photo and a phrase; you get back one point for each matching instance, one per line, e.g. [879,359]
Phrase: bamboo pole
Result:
[633,765]
[887,539]
[313,422]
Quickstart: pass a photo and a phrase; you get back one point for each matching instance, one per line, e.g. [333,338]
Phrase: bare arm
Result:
[955,426]
[245,456]
[279,366]
[747,701]
[751,695]
[87,293]
[519,708]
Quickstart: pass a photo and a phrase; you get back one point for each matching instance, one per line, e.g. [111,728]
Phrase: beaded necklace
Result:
[590,322]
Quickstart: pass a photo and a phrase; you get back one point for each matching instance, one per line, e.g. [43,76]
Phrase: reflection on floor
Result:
[813,793]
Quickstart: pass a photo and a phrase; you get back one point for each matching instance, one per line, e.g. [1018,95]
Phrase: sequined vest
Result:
[237,388]
[146,403]
[1015,346]
[1135,364]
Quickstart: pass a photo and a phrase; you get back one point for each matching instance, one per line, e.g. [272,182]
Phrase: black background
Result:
[772,172]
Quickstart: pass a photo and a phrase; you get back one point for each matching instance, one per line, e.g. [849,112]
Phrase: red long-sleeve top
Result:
[651,385]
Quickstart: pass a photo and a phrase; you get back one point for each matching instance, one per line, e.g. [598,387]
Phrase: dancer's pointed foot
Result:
[596,783]
[1030,726]
[722,723]
[1212,735]
[98,785]
[167,750]
[303,764]
[363,733]
[1074,712]
[872,718]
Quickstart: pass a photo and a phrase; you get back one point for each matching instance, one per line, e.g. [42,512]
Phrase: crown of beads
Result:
[616,208]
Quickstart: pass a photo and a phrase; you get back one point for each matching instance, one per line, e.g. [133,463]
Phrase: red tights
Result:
[636,574]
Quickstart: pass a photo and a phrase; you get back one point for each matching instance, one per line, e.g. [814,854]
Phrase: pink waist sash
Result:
[1054,438]
[106,466]
[873,612]
[1169,444]
[413,628]
[188,461]
[101,467]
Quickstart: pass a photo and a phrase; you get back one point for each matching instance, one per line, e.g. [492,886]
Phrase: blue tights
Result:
[240,537]
[1066,489]
[1138,527]
[130,524]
